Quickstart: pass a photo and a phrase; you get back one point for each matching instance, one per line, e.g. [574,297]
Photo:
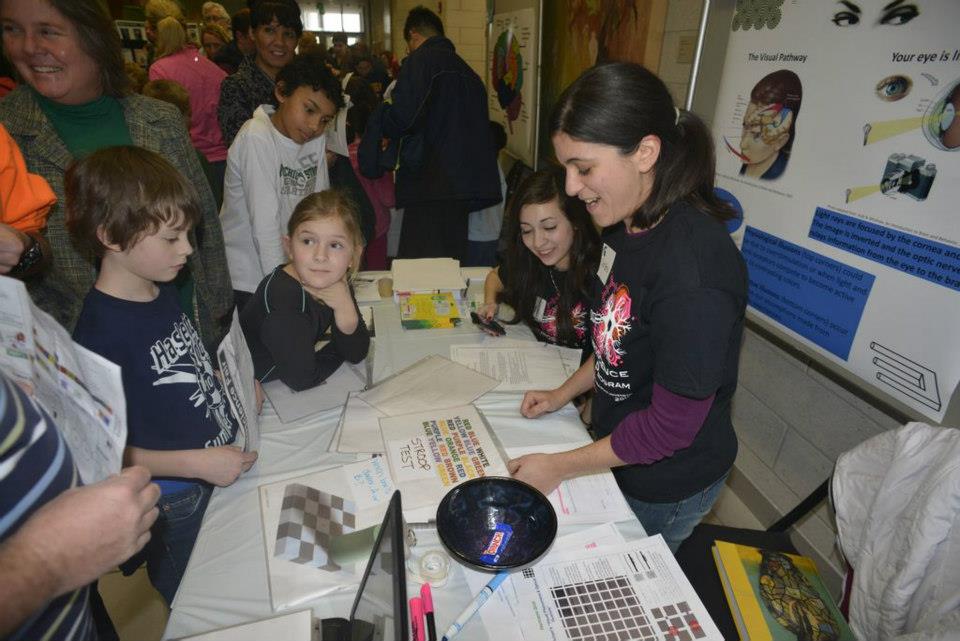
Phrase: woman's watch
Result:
[30,257]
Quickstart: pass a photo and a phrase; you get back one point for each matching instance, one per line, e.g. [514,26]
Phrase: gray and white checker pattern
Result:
[309,519]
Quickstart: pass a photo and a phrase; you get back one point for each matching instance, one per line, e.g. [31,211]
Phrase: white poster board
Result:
[837,136]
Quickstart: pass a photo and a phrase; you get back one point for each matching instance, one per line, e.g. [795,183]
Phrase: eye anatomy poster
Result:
[838,139]
[512,66]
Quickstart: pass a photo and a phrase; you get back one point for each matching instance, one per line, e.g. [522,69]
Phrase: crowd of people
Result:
[258,171]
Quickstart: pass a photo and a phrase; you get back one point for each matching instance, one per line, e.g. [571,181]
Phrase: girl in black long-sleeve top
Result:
[310,299]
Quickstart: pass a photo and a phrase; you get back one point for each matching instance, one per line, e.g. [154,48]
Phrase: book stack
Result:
[775,596]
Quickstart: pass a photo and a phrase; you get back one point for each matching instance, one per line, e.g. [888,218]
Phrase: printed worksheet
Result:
[500,613]
[236,371]
[592,498]
[631,590]
[80,390]
[518,368]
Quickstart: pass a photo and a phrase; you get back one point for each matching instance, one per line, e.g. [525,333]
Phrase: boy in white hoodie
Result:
[276,159]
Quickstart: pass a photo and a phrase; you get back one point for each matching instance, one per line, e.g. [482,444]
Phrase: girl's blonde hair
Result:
[329,204]
[171,37]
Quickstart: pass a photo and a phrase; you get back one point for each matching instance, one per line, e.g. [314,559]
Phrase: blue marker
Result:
[475,605]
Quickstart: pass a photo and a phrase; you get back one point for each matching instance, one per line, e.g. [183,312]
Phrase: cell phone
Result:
[491,325]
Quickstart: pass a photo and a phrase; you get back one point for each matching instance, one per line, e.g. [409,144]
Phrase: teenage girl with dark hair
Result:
[552,252]
[668,307]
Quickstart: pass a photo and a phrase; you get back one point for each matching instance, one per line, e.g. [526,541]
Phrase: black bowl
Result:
[496,523]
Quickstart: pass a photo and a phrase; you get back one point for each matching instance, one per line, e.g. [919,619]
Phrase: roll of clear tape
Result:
[433,567]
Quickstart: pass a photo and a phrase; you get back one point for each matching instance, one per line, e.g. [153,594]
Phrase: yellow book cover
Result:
[426,311]
[777,597]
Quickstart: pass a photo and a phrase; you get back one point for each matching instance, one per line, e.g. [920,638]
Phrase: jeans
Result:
[675,521]
[173,535]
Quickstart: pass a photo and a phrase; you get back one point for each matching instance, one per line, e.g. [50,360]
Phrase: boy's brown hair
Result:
[332,203]
[125,193]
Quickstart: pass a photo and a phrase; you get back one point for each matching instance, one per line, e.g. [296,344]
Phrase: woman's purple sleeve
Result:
[668,424]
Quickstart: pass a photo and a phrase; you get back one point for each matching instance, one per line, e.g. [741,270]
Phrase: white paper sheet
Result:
[632,586]
[500,613]
[82,391]
[333,392]
[533,366]
[236,368]
[424,465]
[427,274]
[359,428]
[296,626]
[431,383]
[571,359]
[366,289]
[367,484]
[592,498]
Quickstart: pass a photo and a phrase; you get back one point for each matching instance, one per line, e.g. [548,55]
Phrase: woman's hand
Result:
[539,470]
[487,311]
[538,402]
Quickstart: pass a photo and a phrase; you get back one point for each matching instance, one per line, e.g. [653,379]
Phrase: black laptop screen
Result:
[380,610]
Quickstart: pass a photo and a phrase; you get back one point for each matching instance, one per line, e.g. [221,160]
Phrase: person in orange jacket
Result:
[25,201]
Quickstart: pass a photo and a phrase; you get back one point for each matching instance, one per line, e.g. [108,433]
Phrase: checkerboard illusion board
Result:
[309,519]
[609,610]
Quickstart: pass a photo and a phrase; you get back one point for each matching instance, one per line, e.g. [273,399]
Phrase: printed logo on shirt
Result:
[297,182]
[310,160]
[548,318]
[610,325]
[181,358]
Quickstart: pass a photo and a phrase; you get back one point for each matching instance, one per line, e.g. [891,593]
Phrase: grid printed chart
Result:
[612,592]
[610,610]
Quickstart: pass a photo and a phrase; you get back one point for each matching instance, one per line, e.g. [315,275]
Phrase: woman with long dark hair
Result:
[552,251]
[668,305]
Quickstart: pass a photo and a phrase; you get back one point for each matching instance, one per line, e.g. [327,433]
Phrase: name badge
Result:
[606,263]
[540,310]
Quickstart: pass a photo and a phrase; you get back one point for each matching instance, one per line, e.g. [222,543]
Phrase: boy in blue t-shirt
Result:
[133,209]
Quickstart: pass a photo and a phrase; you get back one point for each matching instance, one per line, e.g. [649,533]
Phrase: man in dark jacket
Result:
[438,122]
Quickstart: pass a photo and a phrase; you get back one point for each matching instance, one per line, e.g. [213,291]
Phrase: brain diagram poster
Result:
[838,137]
[512,67]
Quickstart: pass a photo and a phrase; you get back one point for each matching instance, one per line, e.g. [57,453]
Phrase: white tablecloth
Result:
[226,580]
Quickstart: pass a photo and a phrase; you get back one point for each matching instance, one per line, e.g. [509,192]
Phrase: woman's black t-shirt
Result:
[544,325]
[670,312]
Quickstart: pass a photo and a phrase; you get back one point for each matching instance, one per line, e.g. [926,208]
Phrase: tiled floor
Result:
[139,613]
[137,610]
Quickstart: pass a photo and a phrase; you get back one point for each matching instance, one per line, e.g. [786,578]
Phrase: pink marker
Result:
[427,598]
[416,618]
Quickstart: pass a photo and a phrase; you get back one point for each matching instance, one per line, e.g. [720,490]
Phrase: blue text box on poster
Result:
[817,297]
[907,253]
